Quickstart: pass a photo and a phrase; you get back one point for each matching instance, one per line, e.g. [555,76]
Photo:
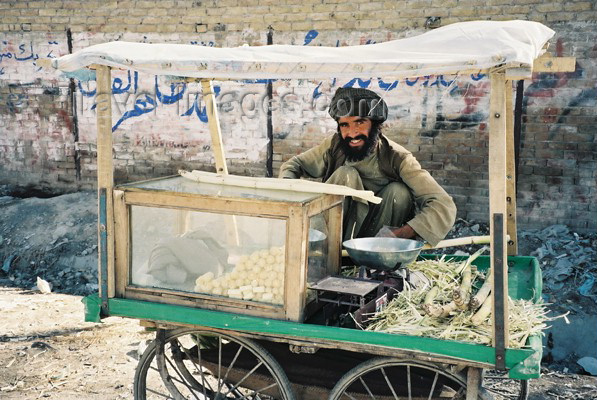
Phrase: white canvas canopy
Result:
[460,47]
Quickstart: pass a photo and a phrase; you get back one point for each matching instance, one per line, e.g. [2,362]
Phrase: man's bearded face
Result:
[359,136]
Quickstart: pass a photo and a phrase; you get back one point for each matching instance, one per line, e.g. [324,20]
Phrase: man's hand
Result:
[404,232]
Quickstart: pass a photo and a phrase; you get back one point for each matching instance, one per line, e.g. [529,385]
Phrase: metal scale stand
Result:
[361,296]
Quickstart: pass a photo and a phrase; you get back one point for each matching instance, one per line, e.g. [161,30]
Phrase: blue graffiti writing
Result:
[2,71]
[141,107]
[25,53]
[117,84]
[361,83]
[410,82]
[258,80]
[173,98]
[201,43]
[195,108]
[387,86]
[312,34]
[477,77]
[316,92]
[85,92]
[5,55]
[32,55]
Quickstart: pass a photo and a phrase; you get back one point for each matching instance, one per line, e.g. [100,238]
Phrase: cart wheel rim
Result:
[196,364]
[390,379]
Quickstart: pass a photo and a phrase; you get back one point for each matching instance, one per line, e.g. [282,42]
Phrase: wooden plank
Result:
[334,223]
[122,243]
[213,304]
[473,383]
[468,352]
[497,178]
[519,73]
[214,126]
[296,264]
[251,207]
[318,205]
[457,363]
[105,175]
[548,63]
[510,175]
[294,185]
[545,63]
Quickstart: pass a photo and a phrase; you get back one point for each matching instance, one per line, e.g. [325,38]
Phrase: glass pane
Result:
[223,255]
[179,184]
[318,248]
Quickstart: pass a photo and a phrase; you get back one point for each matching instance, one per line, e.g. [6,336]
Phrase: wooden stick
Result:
[512,247]
[297,185]
[497,185]
[105,169]
[459,242]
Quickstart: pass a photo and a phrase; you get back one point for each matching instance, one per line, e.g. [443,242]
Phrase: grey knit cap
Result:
[357,102]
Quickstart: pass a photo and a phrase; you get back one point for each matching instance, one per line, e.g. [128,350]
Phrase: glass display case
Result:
[224,247]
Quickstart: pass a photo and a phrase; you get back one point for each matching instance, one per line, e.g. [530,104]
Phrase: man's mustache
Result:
[358,137]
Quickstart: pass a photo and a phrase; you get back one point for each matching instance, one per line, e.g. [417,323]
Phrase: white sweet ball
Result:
[267,297]
[263,253]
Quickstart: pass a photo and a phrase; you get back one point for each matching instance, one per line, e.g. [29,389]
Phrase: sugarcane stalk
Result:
[440,311]
[412,311]
[483,312]
[462,293]
[431,295]
[429,298]
[481,295]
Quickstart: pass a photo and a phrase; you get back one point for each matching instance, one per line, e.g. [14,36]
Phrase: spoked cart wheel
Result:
[202,365]
[385,378]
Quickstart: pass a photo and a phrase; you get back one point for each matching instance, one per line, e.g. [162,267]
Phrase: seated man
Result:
[361,157]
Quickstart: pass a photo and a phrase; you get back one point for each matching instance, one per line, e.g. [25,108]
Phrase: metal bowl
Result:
[382,253]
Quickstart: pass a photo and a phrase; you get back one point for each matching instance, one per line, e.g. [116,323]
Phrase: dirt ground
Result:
[48,351]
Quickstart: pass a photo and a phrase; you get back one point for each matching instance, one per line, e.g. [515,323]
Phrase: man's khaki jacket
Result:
[436,209]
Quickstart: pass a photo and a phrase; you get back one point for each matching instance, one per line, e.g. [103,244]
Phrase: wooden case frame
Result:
[296,215]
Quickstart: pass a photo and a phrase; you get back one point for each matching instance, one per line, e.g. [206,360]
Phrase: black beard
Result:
[357,154]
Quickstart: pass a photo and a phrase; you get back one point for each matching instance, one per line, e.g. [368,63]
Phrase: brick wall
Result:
[47,121]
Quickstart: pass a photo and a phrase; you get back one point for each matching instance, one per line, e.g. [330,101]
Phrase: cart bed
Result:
[524,282]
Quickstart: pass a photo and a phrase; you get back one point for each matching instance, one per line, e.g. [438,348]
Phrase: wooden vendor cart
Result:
[269,242]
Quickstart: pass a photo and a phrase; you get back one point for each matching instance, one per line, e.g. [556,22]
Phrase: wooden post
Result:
[510,174]
[218,148]
[214,125]
[294,276]
[497,185]
[105,174]
[473,383]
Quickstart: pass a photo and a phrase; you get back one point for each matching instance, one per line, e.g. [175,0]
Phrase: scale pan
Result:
[382,253]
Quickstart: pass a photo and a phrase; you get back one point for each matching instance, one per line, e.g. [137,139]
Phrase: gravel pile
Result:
[53,238]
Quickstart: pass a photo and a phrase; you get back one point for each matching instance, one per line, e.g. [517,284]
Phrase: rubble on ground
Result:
[54,239]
